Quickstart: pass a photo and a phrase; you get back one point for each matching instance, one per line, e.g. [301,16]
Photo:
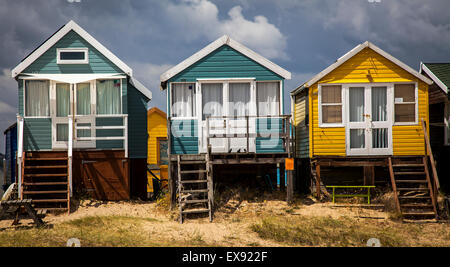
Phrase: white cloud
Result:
[200,18]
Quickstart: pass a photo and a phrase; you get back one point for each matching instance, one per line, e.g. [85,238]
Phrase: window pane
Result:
[212,99]
[83,99]
[357,138]
[405,113]
[356,104]
[62,132]
[380,138]
[71,55]
[268,98]
[183,100]
[379,103]
[239,99]
[332,114]
[163,157]
[331,94]
[108,97]
[37,98]
[62,99]
[83,132]
[404,93]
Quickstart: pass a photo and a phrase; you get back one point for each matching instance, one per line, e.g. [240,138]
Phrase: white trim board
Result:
[423,67]
[225,40]
[355,51]
[71,25]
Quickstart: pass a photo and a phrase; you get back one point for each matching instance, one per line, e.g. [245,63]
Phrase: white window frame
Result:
[343,113]
[281,104]
[446,123]
[416,103]
[72,61]
[49,99]
[195,96]
[95,99]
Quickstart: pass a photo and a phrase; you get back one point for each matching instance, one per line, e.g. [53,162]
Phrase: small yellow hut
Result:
[157,159]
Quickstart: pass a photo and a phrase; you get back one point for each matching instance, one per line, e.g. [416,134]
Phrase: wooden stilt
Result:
[318,181]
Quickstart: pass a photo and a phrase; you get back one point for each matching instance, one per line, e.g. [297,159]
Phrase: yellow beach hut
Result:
[157,159]
[365,110]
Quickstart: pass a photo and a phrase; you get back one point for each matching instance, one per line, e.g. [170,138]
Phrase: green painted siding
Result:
[20,92]
[225,62]
[98,63]
[269,128]
[137,123]
[37,134]
[184,137]
[109,144]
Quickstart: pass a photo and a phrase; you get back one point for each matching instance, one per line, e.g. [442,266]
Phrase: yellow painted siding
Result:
[157,127]
[367,67]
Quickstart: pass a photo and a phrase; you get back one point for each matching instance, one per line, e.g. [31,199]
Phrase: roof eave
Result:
[423,67]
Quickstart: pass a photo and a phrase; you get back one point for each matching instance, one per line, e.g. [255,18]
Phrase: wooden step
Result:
[193,181]
[45,175]
[195,211]
[185,162]
[56,209]
[194,201]
[45,192]
[46,159]
[417,205]
[193,171]
[407,165]
[195,191]
[47,167]
[412,181]
[46,183]
[418,214]
[413,189]
[414,197]
[48,200]
[409,173]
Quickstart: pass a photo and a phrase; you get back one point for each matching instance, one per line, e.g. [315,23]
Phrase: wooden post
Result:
[394,186]
[170,167]
[430,154]
[318,181]
[369,175]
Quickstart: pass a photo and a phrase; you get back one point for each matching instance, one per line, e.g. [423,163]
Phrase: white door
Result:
[61,102]
[369,120]
[212,103]
[84,115]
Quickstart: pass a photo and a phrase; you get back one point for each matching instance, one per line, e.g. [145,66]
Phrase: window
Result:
[331,103]
[62,99]
[108,97]
[37,98]
[268,98]
[163,158]
[405,103]
[447,123]
[212,99]
[239,96]
[183,100]
[72,56]
[83,99]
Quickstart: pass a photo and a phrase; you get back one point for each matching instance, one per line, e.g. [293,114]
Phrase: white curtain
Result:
[62,99]
[183,100]
[268,98]
[83,99]
[380,138]
[108,97]
[37,98]
[62,132]
[239,99]
[356,104]
[357,138]
[212,99]
[379,103]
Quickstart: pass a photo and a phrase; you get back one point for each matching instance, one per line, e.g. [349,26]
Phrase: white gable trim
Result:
[441,85]
[355,51]
[233,44]
[71,25]
[141,88]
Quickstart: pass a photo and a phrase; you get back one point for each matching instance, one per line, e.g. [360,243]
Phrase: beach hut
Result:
[366,110]
[81,122]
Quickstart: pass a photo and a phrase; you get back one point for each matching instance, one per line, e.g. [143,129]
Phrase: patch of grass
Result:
[324,231]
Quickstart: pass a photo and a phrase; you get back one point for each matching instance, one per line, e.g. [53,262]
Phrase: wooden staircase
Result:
[45,180]
[414,193]
[195,191]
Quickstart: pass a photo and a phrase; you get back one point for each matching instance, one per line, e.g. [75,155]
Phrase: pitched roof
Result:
[225,40]
[353,52]
[157,110]
[72,26]
[439,73]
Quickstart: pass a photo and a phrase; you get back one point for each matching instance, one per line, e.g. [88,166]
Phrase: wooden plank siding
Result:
[184,137]
[301,126]
[367,67]
[137,123]
[157,127]
[37,134]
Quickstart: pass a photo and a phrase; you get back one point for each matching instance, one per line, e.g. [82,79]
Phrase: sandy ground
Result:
[231,225]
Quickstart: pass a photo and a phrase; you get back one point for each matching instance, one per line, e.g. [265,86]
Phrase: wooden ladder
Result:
[413,189]
[45,181]
[195,190]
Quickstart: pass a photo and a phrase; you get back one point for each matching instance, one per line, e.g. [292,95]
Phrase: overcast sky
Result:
[302,36]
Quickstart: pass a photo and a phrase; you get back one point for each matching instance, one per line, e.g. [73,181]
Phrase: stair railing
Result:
[429,153]
[69,155]
[19,154]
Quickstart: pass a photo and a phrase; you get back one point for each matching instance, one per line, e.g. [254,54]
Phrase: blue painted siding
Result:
[137,123]
[184,137]
[225,62]
[37,134]
[98,63]
[269,144]
[109,144]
